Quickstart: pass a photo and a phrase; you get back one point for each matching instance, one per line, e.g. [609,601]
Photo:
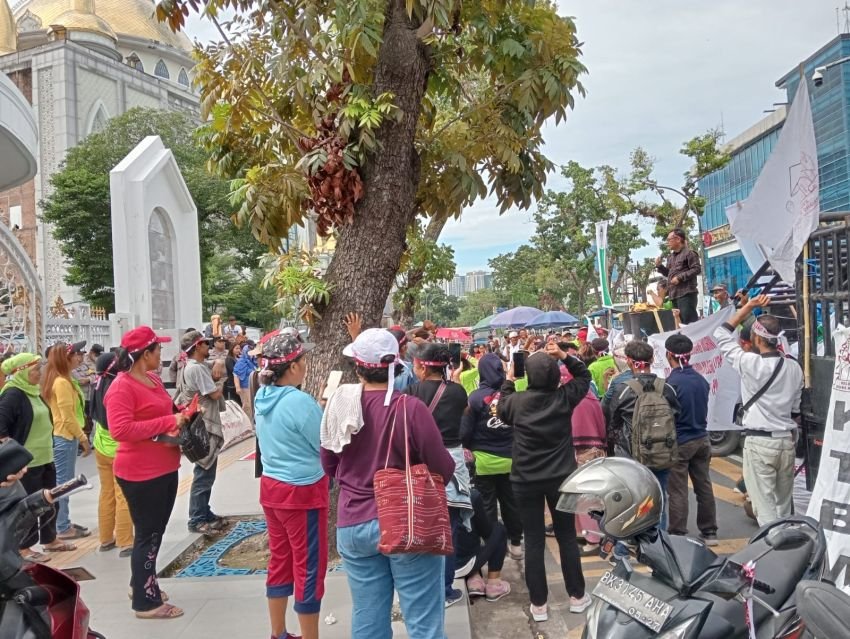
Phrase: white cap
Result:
[513,334]
[372,346]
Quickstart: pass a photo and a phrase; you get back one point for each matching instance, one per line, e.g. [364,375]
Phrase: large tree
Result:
[80,212]
[368,113]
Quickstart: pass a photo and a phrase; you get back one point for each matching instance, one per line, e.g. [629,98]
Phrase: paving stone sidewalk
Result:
[215,606]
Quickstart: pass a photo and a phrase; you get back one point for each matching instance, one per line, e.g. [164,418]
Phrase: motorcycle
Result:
[824,609]
[37,601]
[694,594]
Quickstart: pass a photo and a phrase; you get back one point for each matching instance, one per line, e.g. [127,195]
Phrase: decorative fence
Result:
[80,324]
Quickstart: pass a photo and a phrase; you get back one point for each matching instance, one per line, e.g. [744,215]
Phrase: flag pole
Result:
[807,321]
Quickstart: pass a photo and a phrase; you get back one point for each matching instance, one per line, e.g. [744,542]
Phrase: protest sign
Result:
[707,360]
[830,503]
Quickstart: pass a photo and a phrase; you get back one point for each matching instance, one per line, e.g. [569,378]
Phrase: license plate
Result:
[638,604]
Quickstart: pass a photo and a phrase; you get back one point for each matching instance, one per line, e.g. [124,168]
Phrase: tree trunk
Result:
[369,250]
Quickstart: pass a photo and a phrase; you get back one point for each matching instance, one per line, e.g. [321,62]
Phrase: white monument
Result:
[155,253]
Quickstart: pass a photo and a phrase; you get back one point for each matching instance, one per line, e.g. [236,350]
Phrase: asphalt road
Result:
[509,618]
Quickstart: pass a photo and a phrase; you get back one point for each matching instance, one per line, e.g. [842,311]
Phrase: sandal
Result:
[109,545]
[60,547]
[73,533]
[165,611]
[82,529]
[36,557]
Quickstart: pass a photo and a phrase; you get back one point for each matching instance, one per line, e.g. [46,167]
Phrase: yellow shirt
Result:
[66,406]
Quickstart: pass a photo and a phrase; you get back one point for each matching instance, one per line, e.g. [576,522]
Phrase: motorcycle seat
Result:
[781,569]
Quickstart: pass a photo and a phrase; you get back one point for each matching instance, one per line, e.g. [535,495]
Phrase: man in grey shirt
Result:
[196,379]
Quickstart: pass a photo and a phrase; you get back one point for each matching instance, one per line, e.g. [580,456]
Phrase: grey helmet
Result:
[626,493]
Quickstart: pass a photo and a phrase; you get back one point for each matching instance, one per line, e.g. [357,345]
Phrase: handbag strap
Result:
[437,396]
[761,391]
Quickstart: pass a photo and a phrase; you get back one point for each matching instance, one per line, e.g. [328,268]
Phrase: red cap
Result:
[140,338]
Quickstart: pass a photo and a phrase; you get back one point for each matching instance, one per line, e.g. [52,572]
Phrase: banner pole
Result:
[807,320]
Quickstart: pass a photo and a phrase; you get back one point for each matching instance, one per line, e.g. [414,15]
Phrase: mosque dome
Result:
[133,18]
[8,35]
[75,20]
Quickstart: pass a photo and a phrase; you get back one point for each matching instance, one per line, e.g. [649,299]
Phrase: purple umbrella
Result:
[515,318]
[552,319]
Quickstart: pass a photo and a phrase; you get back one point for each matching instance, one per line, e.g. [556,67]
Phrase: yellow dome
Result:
[125,17]
[79,21]
[8,35]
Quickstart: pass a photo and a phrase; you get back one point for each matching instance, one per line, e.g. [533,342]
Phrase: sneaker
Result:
[463,571]
[550,530]
[204,528]
[578,606]
[287,635]
[588,550]
[475,586]
[216,523]
[497,589]
[452,599]
[540,613]
[515,551]
[709,540]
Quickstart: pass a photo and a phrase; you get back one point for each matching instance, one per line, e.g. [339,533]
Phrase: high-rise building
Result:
[478,280]
[455,287]
[831,117]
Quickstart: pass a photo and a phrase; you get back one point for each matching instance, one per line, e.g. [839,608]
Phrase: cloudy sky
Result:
[659,73]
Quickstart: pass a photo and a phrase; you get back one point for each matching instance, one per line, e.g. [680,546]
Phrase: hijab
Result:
[18,368]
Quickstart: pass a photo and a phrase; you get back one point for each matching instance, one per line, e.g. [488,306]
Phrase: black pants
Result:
[451,563]
[687,305]
[531,497]
[492,553]
[39,478]
[150,502]
[498,495]
[694,461]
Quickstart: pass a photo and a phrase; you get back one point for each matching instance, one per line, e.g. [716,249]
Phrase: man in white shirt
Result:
[770,423]
[512,346]
[232,330]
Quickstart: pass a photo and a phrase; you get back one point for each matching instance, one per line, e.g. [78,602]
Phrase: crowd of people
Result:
[501,427]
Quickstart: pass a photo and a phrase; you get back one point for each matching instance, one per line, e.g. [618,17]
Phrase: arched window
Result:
[161,71]
[98,121]
[134,61]
[183,78]
[160,246]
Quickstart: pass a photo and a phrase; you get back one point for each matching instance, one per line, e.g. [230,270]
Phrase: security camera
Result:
[817,76]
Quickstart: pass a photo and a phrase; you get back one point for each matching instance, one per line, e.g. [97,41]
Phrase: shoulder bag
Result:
[742,410]
[412,512]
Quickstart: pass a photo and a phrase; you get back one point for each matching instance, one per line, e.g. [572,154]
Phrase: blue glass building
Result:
[830,113]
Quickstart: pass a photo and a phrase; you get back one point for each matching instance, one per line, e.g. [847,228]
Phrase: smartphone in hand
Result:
[454,354]
[519,364]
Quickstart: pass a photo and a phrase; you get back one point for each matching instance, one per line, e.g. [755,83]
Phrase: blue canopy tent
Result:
[552,319]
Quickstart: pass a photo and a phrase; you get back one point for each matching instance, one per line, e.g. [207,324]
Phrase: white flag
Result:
[782,209]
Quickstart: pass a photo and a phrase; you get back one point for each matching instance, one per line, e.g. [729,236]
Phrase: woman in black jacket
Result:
[26,418]
[543,456]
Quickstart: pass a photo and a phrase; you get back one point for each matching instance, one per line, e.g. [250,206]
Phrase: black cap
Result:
[77,347]
[97,349]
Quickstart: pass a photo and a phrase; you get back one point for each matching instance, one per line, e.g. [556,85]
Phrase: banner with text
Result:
[830,503]
[602,263]
[707,361]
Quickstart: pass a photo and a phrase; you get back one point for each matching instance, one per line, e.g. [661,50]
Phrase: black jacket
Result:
[481,429]
[541,417]
[621,408]
[15,415]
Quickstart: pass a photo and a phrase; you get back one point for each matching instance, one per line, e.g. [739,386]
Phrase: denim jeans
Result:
[199,497]
[372,577]
[620,550]
[65,459]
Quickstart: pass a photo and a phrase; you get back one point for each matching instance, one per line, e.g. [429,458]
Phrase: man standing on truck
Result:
[682,268]
[771,386]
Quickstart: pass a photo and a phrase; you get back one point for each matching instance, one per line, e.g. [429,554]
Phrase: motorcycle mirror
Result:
[787,538]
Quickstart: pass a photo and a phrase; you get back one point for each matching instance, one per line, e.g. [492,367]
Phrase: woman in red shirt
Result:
[139,409]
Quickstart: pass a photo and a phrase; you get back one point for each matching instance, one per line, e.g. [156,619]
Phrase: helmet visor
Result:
[580,503]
